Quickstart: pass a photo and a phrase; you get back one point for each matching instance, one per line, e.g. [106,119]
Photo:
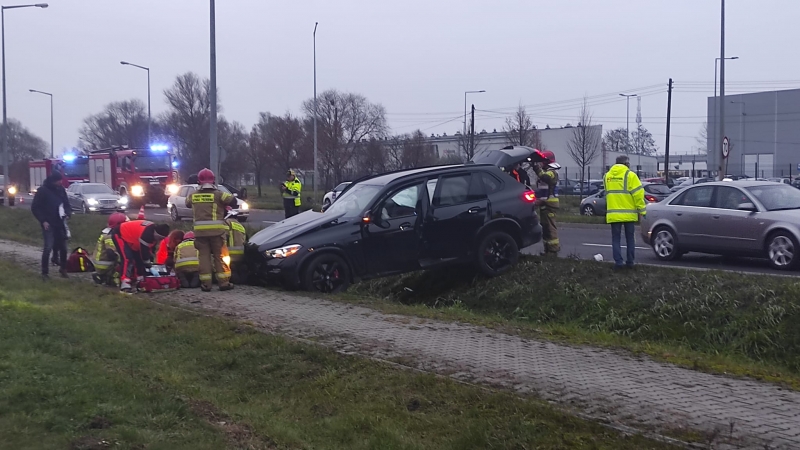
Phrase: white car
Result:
[330,197]
[176,205]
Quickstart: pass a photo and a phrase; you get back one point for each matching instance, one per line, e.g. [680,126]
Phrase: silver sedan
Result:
[738,218]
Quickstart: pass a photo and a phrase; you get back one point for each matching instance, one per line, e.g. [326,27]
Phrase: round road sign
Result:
[726,149]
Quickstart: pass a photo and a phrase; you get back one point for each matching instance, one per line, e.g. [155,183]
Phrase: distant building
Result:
[555,140]
[764,131]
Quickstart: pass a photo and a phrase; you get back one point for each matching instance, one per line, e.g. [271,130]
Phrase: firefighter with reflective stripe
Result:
[135,241]
[208,208]
[106,257]
[234,256]
[187,262]
[547,200]
[290,190]
[624,204]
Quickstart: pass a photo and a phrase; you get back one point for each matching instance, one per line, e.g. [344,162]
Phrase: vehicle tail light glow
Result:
[529,196]
[650,198]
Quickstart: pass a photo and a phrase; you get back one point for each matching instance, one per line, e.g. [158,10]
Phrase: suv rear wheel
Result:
[497,253]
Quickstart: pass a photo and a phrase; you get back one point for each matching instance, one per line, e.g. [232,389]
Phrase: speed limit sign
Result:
[726,149]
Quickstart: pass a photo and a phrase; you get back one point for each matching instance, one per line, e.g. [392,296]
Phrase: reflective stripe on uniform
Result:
[100,264]
[210,225]
[638,188]
[186,262]
[222,276]
[205,277]
[210,222]
[143,242]
[236,250]
[622,211]
[203,198]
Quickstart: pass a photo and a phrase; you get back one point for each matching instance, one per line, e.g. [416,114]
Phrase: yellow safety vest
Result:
[291,187]
[624,195]
[236,238]
[104,242]
[186,257]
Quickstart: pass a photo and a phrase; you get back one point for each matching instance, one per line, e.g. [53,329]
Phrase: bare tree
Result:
[344,120]
[120,123]
[702,139]
[23,146]
[187,121]
[520,130]
[584,146]
[406,151]
[467,148]
[643,143]
[233,143]
[258,150]
[616,140]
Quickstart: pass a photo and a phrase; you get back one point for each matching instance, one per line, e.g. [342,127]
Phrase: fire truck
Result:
[143,175]
[74,169]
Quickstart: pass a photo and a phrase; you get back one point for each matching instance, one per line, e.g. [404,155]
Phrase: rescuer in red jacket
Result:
[135,241]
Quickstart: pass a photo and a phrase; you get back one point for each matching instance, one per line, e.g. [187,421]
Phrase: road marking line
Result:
[268,221]
[609,246]
[159,214]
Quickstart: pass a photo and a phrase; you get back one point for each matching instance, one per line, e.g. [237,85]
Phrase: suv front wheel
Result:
[497,253]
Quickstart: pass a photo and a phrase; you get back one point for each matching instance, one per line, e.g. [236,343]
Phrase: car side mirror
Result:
[747,206]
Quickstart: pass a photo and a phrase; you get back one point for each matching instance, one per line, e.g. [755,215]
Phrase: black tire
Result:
[782,250]
[326,273]
[665,244]
[588,210]
[497,253]
[173,214]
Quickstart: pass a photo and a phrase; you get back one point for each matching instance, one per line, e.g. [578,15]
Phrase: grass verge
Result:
[102,370]
[714,321]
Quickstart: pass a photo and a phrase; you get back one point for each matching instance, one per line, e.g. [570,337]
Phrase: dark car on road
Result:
[401,222]
[738,218]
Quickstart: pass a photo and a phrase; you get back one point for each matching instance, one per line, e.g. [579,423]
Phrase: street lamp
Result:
[315,111]
[214,148]
[628,121]
[125,63]
[51,118]
[716,64]
[5,121]
[465,108]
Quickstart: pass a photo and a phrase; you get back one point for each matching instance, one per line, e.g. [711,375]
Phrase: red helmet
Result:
[551,157]
[206,176]
[188,235]
[116,219]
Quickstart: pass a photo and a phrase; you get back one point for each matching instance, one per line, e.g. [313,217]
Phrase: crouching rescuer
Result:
[208,206]
[547,200]
[135,241]
[187,262]
[106,259]
[237,236]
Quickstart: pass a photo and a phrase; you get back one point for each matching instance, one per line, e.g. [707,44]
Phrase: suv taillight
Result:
[650,198]
[529,196]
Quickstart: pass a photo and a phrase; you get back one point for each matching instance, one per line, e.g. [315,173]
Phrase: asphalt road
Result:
[583,241]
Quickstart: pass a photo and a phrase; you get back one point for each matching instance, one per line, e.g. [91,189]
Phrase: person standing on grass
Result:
[50,206]
[625,203]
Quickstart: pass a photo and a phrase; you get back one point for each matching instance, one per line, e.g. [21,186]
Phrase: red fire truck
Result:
[144,175]
[74,169]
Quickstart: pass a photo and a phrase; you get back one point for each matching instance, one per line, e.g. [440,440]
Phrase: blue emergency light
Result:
[68,157]
[174,164]
[159,147]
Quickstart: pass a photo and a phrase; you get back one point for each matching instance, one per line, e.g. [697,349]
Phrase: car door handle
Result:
[716,217]
[474,210]
[678,214]
[405,226]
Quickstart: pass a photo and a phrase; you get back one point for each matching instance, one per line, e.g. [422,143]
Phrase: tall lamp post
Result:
[316,174]
[465,107]
[149,118]
[628,120]
[214,150]
[5,100]
[742,135]
[52,150]
[716,65]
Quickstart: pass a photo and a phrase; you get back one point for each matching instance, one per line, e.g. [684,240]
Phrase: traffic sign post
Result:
[726,151]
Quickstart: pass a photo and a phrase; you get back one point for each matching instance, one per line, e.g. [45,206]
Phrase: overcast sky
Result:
[415,57]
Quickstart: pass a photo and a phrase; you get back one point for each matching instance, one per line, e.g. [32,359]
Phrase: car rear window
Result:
[657,189]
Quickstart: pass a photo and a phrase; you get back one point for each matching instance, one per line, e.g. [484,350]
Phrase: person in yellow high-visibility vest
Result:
[290,190]
[624,204]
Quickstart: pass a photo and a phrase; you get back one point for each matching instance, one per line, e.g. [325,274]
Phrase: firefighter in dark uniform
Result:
[547,200]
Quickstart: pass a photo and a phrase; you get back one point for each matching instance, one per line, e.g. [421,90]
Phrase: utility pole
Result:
[316,174]
[666,145]
[472,133]
[628,121]
[214,150]
[721,135]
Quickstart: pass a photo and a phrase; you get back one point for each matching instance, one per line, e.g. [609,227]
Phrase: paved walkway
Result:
[605,384]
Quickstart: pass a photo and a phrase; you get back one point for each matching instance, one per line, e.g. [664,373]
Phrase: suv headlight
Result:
[91,201]
[123,200]
[12,190]
[283,252]
[137,191]
[244,206]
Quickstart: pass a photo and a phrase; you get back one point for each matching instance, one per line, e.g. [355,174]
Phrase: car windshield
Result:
[776,197]
[78,168]
[96,189]
[353,202]
[340,187]
[658,188]
[155,163]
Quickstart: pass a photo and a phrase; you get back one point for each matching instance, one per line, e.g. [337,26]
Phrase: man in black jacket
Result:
[48,203]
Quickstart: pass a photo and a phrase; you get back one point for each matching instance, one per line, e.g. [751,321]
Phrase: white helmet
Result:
[554,166]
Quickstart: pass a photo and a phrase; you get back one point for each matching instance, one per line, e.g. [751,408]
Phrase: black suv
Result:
[400,222]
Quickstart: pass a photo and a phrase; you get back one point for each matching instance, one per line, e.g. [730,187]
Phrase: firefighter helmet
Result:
[116,219]
[206,176]
[188,235]
[547,154]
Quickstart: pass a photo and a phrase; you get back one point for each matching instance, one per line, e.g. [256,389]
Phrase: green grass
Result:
[708,320]
[78,369]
